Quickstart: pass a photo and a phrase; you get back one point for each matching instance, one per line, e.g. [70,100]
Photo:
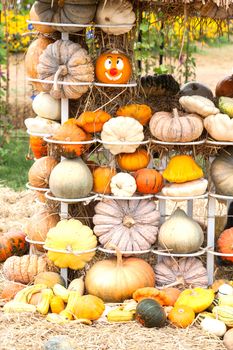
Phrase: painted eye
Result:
[108,63]
[120,64]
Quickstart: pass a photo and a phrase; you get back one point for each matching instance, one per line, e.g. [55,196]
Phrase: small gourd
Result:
[213,326]
[182,168]
[123,185]
[198,104]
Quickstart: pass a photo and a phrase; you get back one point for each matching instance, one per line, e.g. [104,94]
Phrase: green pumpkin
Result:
[150,314]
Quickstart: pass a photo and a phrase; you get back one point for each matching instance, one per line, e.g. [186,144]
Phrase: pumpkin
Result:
[120,130]
[32,58]
[49,279]
[181,316]
[67,62]
[225,244]
[225,87]
[39,173]
[133,161]
[113,67]
[115,13]
[70,132]
[68,12]
[150,314]
[225,105]
[171,295]
[196,88]
[182,168]
[12,243]
[38,146]
[228,339]
[148,181]
[101,178]
[71,236]
[39,225]
[221,171]
[56,304]
[183,272]
[186,189]
[10,289]
[123,185]
[71,179]
[142,113]
[89,307]
[175,126]
[199,299]
[180,234]
[130,225]
[41,125]
[23,269]
[45,106]
[212,326]
[198,104]
[166,297]
[42,28]
[116,279]
[219,127]
[93,121]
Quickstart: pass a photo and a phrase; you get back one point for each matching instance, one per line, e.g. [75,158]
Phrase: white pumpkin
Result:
[219,127]
[213,326]
[186,189]
[198,104]
[115,13]
[41,125]
[122,129]
[123,185]
[45,106]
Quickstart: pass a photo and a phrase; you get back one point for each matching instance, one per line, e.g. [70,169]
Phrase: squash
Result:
[176,126]
[24,269]
[221,171]
[115,13]
[196,88]
[165,297]
[120,315]
[198,299]
[198,104]
[225,289]
[71,236]
[77,285]
[225,300]
[89,307]
[219,127]
[39,173]
[186,189]
[57,305]
[69,62]
[102,177]
[68,12]
[133,161]
[225,314]
[71,179]
[12,243]
[42,28]
[45,106]
[225,105]
[212,326]
[130,225]
[180,234]
[225,87]
[10,289]
[123,185]
[148,181]
[181,316]
[38,146]
[113,131]
[182,168]
[49,279]
[218,283]
[32,58]
[228,339]
[150,314]
[113,67]
[41,125]
[183,272]
[225,244]
[93,121]
[116,279]
[142,113]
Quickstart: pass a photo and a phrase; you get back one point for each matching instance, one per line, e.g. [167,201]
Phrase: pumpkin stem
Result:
[128,221]
[118,253]
[175,113]
[62,70]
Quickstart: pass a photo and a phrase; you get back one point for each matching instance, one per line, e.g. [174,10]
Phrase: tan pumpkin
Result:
[42,28]
[176,126]
[102,178]
[133,161]
[219,127]
[49,279]
[68,62]
[130,225]
[183,273]
[39,173]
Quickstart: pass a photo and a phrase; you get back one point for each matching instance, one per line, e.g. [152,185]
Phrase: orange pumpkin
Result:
[38,146]
[12,243]
[181,316]
[10,289]
[148,181]
[133,161]
[166,297]
[102,177]
[93,121]
[225,244]
[141,113]
[70,131]
[171,295]
[113,67]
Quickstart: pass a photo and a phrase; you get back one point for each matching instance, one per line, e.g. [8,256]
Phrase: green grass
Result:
[13,164]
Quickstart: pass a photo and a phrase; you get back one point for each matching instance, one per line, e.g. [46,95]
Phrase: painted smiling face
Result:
[113,67]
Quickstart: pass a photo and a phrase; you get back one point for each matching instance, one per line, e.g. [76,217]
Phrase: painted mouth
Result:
[113,78]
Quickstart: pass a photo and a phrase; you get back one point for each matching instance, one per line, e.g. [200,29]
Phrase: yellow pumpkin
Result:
[199,299]
[181,316]
[141,113]
[88,307]
[72,236]
[133,161]
[182,168]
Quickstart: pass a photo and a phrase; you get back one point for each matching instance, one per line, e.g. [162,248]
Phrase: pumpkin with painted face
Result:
[113,67]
